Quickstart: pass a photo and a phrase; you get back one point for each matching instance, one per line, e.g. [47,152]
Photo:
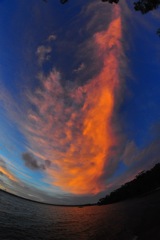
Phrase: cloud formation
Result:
[71,126]
[79,68]
[74,122]
[51,37]
[17,186]
[43,53]
[33,163]
[5,172]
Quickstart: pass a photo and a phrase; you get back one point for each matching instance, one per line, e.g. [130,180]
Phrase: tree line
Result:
[144,182]
[143,6]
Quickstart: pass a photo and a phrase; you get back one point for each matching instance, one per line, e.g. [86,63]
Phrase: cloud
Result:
[33,163]
[14,112]
[130,153]
[35,192]
[99,16]
[5,172]
[51,37]
[74,122]
[80,68]
[148,156]
[38,192]
[72,126]
[43,53]
[137,160]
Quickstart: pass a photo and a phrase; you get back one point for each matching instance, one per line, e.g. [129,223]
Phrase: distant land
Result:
[44,203]
[144,183]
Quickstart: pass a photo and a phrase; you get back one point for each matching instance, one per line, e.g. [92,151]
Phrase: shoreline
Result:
[50,204]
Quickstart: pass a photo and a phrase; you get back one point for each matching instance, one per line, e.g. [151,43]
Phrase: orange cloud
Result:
[72,127]
[8,174]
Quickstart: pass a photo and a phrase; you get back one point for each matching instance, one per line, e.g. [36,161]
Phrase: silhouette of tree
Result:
[143,183]
[142,5]
[146,5]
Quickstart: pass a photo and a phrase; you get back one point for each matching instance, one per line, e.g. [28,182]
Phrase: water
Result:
[130,220]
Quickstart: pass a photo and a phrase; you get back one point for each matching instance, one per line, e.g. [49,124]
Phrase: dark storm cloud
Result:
[33,163]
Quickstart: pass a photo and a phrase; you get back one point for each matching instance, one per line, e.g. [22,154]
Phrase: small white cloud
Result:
[52,37]
[43,53]
[80,68]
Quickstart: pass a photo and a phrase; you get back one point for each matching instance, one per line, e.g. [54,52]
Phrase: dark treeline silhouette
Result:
[144,182]
[143,6]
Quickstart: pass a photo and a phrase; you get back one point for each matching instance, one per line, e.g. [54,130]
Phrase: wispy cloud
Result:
[72,126]
[136,160]
[6,173]
[79,68]
[43,53]
[51,38]
[130,153]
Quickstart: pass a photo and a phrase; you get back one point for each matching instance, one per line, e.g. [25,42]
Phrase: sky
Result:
[79,98]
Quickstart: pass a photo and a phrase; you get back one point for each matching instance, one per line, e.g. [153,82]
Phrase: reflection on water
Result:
[136,219]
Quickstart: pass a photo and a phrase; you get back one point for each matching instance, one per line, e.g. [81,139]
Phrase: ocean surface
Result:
[137,219]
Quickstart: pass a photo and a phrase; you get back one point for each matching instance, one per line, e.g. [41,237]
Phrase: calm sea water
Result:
[130,220]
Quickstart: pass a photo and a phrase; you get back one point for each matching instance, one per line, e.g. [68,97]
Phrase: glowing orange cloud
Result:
[8,174]
[73,128]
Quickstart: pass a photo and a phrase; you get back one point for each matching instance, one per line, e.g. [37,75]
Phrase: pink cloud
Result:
[72,127]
